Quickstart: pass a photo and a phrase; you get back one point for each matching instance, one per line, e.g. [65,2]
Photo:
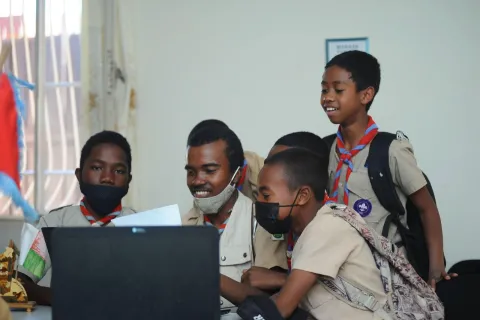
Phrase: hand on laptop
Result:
[263,278]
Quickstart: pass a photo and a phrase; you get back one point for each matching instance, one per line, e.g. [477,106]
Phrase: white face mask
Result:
[213,204]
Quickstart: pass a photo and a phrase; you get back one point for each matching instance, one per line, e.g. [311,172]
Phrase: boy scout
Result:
[263,278]
[103,176]
[251,166]
[350,82]
[214,160]
[291,188]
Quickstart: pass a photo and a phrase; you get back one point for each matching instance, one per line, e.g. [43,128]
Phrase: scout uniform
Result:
[330,247]
[254,163]
[69,216]
[407,177]
[239,246]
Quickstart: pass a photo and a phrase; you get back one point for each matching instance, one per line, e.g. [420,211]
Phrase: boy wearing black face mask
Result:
[291,192]
[103,176]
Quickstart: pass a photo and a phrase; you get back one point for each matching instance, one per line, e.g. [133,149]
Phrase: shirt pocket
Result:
[317,297]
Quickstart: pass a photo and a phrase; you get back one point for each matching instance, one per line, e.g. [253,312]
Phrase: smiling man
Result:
[103,176]
[214,161]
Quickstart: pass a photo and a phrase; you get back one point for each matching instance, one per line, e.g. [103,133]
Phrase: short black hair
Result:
[111,137]
[210,134]
[306,140]
[207,123]
[303,168]
[364,68]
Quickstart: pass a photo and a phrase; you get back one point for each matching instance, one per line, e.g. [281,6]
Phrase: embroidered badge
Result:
[363,207]
[278,237]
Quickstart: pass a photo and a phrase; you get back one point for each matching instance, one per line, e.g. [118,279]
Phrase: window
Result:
[62,95]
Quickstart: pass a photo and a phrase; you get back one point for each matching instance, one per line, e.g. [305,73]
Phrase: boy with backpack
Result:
[376,173]
[341,268]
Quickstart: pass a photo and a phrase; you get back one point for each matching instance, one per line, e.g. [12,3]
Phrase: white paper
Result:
[29,233]
[164,216]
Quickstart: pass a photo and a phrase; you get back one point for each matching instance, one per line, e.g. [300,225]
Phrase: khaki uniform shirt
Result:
[238,242]
[69,216]
[407,177]
[330,247]
[254,165]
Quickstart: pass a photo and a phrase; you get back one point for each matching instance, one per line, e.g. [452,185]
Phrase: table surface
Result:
[45,313]
[39,313]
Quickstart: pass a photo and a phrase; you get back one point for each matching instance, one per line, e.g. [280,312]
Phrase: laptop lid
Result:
[135,273]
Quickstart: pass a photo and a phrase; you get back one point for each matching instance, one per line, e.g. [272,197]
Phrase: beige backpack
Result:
[409,297]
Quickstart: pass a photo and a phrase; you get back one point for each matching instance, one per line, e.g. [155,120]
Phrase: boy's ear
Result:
[367,95]
[78,174]
[304,195]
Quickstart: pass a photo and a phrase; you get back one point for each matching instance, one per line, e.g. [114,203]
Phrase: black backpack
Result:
[413,237]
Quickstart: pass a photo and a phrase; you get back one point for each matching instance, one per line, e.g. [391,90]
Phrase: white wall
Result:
[257,65]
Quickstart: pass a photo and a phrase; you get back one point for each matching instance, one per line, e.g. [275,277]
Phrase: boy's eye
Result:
[120,171]
[95,168]
[265,196]
[324,91]
[339,90]
[190,173]
[210,171]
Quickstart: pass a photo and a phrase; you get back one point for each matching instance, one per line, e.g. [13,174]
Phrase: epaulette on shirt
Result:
[59,208]
[401,136]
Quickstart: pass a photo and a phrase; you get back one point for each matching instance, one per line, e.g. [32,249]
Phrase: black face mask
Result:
[103,198]
[266,214]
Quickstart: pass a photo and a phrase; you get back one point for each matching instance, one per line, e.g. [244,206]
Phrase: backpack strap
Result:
[378,163]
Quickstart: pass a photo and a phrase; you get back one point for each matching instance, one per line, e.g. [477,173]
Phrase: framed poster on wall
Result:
[337,46]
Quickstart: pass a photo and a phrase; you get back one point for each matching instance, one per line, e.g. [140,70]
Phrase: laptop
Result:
[167,273]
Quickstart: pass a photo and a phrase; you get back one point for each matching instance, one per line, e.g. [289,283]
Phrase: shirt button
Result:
[244,254]
[224,258]
[221,302]
[340,184]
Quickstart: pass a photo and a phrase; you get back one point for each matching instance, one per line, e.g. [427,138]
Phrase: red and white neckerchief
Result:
[346,158]
[103,221]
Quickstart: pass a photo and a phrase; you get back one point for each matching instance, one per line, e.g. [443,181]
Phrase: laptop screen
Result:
[167,273]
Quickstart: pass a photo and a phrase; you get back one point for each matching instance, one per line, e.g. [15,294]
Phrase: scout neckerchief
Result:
[102,222]
[220,228]
[346,158]
[243,176]
[291,240]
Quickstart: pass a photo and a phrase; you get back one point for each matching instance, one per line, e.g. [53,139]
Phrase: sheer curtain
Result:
[108,74]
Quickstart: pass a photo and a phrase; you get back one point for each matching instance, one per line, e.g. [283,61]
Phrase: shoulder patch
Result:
[56,209]
[402,136]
